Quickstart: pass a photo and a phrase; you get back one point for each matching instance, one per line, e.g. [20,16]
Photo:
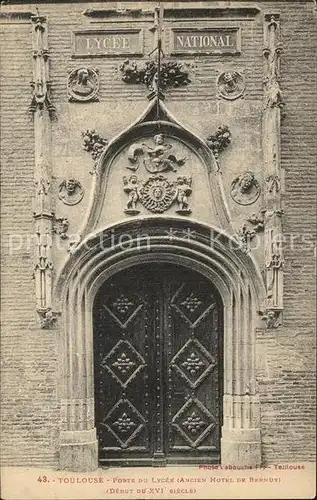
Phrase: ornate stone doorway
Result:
[158,367]
[211,255]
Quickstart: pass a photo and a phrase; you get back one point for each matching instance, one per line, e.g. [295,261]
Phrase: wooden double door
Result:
[158,367]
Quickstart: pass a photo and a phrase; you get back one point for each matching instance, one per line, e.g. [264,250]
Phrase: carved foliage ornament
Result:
[245,189]
[219,140]
[157,194]
[94,143]
[172,74]
[70,191]
[230,85]
[83,85]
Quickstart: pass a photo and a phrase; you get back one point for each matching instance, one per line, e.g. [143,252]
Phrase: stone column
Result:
[42,109]
[78,442]
[241,440]
[272,190]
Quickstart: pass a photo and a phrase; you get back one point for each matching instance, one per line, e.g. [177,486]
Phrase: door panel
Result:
[158,358]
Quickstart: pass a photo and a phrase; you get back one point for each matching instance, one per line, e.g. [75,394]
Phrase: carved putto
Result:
[70,191]
[157,194]
[219,140]
[230,85]
[245,189]
[83,85]
[158,157]
[131,187]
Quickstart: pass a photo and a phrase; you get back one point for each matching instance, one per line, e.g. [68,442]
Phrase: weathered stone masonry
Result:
[261,84]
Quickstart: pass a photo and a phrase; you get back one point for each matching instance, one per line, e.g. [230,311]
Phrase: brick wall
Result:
[286,370]
[28,357]
[285,366]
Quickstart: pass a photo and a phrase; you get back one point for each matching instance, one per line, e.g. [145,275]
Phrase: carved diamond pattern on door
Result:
[193,305]
[124,422]
[193,421]
[123,309]
[193,362]
[157,355]
[123,362]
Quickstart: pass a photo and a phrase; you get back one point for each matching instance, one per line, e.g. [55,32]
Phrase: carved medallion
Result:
[157,194]
[70,192]
[83,85]
[230,85]
[158,157]
[245,189]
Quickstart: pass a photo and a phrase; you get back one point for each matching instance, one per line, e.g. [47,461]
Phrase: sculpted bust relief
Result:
[70,191]
[245,189]
[230,85]
[83,85]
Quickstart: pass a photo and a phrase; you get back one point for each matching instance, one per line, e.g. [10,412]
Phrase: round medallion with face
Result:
[70,191]
[157,194]
[245,189]
[230,85]
[83,85]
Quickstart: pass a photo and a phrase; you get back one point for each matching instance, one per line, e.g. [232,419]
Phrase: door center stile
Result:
[159,452]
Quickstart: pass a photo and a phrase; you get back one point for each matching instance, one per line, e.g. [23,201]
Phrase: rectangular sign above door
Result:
[206,41]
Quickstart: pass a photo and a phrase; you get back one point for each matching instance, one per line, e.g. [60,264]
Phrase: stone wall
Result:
[285,357]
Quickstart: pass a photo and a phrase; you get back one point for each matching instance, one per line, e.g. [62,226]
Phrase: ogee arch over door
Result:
[158,367]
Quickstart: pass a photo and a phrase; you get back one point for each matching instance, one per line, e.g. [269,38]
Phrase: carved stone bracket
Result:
[41,84]
[94,143]
[219,140]
[172,74]
[273,318]
[61,226]
[253,226]
[47,318]
[273,212]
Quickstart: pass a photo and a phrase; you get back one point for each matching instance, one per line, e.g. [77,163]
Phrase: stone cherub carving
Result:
[183,190]
[159,158]
[245,189]
[131,187]
[70,191]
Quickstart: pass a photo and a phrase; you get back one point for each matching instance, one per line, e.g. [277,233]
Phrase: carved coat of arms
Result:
[157,193]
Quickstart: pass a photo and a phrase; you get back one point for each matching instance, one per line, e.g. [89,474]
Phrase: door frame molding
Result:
[210,252]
